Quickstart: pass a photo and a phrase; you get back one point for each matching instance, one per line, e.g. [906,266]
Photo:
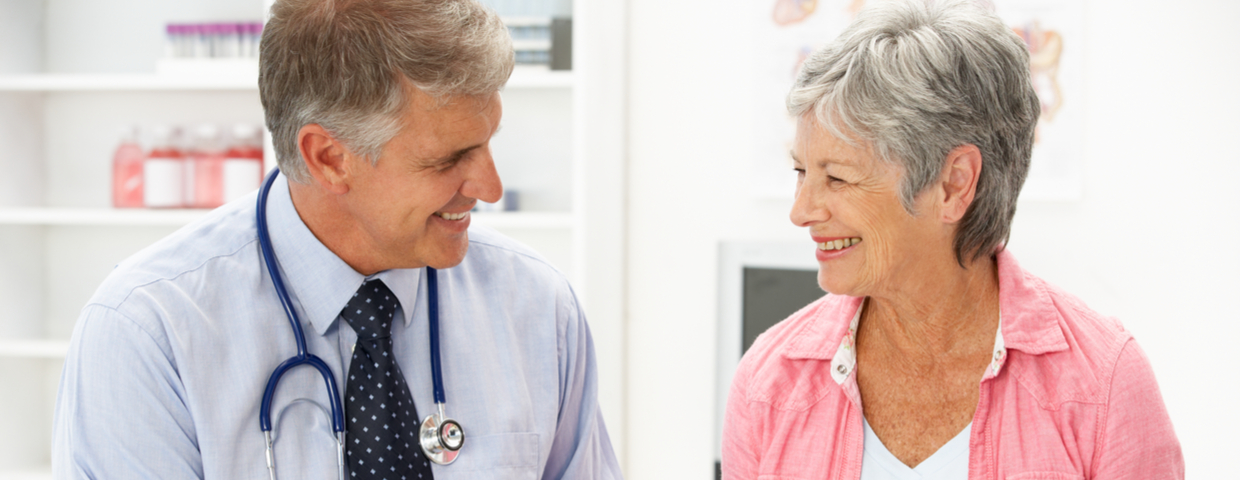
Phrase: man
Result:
[381,112]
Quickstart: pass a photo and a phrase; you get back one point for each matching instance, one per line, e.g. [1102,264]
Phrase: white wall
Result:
[1151,241]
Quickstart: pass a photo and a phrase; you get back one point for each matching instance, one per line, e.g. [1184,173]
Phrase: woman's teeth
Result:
[838,244]
[452,216]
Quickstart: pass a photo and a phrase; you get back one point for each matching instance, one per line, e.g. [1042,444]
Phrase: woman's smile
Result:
[830,248]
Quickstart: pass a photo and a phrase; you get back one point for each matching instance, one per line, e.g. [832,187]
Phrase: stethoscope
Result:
[440,437]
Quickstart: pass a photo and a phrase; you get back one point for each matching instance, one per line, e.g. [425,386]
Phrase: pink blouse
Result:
[1069,395]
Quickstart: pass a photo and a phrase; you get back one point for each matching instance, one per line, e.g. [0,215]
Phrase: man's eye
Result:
[831,179]
[449,163]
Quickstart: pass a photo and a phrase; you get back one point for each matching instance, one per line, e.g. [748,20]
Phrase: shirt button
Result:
[842,369]
[998,354]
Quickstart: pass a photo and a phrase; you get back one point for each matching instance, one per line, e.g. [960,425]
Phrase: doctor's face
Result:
[413,205]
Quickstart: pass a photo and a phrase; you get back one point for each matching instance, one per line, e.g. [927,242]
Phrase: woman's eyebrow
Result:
[823,161]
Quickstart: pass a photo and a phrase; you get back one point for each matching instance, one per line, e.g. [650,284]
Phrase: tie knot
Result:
[371,311]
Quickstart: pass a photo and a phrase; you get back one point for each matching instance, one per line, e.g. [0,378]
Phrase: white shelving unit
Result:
[52,216]
[117,82]
[181,217]
[30,474]
[59,237]
[522,78]
[53,349]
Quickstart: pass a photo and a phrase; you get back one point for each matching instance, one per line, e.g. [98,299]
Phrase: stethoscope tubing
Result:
[302,357]
[432,287]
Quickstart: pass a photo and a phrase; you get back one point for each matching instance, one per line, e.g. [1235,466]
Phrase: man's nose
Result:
[482,180]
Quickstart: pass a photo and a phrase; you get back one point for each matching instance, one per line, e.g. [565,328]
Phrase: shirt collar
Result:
[315,277]
[1029,321]
[819,339]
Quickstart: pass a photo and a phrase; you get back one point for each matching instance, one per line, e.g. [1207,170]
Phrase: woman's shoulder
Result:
[1067,351]
[788,355]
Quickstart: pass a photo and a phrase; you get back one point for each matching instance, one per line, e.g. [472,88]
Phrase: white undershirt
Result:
[950,462]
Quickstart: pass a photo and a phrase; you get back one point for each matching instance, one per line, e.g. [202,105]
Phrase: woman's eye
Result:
[832,179]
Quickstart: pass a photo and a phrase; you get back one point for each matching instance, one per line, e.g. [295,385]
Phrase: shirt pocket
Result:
[1044,476]
[500,456]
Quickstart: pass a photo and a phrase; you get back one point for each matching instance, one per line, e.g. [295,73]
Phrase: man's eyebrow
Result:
[457,155]
[448,159]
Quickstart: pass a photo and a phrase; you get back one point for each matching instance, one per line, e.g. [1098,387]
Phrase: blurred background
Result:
[644,154]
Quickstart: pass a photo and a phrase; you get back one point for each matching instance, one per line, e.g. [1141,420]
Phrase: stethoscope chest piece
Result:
[441,438]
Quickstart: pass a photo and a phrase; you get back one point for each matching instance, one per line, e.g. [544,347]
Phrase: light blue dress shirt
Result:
[169,359]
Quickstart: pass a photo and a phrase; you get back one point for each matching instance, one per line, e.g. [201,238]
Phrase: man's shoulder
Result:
[218,236]
[491,249]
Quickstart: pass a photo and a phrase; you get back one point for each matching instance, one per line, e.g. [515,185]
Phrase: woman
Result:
[936,355]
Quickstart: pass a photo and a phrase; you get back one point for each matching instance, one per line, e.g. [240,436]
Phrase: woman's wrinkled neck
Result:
[945,312]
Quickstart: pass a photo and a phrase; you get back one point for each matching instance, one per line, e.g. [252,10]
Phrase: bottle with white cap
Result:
[127,171]
[163,170]
[243,165]
[207,157]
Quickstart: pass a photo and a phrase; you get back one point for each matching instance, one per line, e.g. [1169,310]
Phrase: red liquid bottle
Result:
[127,171]
[243,164]
[208,160]
[163,171]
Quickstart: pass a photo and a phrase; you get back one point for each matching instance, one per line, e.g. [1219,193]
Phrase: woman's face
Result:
[868,244]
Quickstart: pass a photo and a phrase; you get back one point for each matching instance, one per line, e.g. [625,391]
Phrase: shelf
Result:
[34,349]
[39,474]
[98,216]
[539,77]
[522,77]
[55,82]
[178,217]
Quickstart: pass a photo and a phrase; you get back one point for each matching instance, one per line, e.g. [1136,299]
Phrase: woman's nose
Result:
[808,207]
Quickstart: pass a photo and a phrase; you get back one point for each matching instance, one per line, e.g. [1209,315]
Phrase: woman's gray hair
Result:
[345,64]
[914,80]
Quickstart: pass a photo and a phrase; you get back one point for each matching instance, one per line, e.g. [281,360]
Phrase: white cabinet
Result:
[74,72]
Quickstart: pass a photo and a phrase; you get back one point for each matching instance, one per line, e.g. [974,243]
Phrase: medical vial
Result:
[172,40]
[127,171]
[227,41]
[207,157]
[253,37]
[243,164]
[163,170]
[199,40]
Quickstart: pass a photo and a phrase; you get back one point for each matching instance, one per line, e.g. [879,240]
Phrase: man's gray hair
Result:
[915,79]
[345,65]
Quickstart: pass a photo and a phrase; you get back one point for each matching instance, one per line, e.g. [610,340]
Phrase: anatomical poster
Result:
[787,31]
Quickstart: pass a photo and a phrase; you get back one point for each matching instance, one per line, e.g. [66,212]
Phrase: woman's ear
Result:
[325,158]
[959,181]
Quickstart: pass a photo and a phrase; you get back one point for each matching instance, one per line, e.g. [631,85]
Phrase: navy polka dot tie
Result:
[382,441]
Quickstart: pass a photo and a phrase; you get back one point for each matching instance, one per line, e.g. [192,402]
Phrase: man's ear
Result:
[959,181]
[325,157]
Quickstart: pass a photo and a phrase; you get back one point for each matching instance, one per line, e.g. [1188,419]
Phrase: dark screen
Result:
[771,295]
